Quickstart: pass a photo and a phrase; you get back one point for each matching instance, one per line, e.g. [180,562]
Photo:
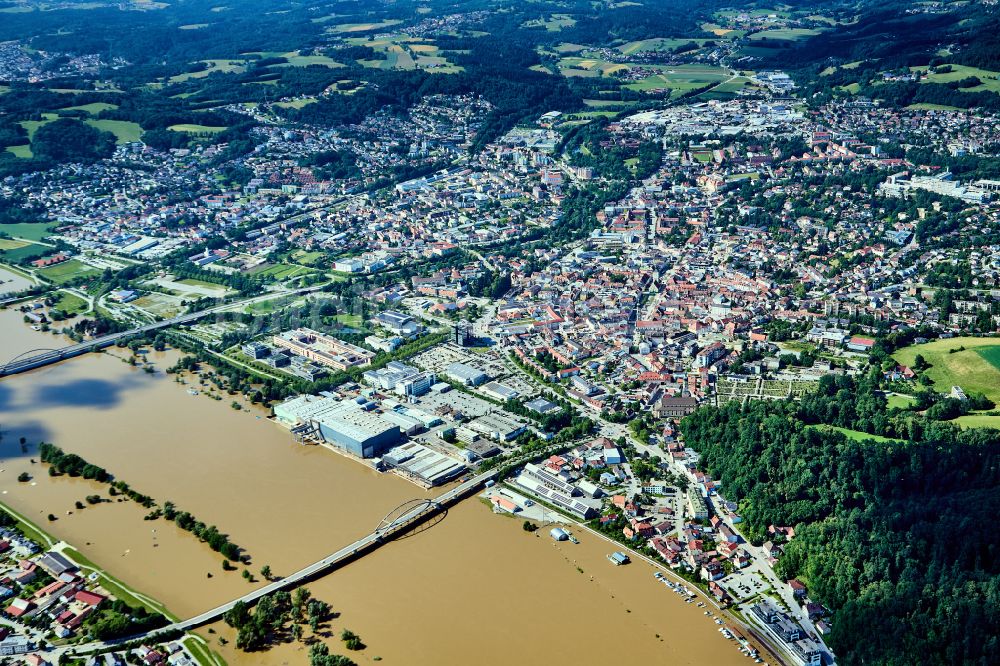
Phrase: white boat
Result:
[192,392]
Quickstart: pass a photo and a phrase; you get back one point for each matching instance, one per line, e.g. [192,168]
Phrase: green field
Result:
[70,303]
[16,254]
[553,23]
[349,320]
[67,270]
[93,108]
[976,369]
[990,79]
[31,126]
[924,106]
[296,103]
[978,421]
[8,244]
[295,60]
[681,78]
[363,27]
[23,152]
[196,129]
[401,51]
[897,401]
[281,271]
[307,258]
[29,230]
[577,66]
[194,282]
[124,131]
[656,44]
[223,66]
[856,435]
[787,34]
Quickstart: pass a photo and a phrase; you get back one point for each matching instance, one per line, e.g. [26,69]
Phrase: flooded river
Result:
[471,588]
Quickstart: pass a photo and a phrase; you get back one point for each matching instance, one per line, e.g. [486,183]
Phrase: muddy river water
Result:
[471,588]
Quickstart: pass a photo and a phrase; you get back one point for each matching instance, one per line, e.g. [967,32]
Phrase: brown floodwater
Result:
[470,588]
[11,282]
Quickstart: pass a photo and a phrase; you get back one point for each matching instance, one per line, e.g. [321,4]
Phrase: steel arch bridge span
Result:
[404,513]
[28,354]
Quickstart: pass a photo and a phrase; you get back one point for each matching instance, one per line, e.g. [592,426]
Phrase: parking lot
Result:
[743,585]
[469,405]
[440,357]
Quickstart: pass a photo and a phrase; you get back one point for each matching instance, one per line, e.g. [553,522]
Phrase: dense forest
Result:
[885,530]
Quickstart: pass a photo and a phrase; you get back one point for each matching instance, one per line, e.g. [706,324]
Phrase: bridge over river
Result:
[396,521]
[38,358]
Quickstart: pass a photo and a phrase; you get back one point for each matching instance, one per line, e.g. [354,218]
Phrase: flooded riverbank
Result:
[472,588]
[477,589]
[11,282]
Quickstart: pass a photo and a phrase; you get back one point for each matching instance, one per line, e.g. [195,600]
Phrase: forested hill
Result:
[894,535]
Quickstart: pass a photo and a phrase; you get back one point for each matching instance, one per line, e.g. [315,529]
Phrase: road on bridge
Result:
[369,542]
[55,355]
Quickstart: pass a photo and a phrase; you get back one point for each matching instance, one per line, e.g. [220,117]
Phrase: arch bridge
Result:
[404,514]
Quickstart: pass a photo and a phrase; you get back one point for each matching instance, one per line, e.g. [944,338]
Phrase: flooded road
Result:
[471,588]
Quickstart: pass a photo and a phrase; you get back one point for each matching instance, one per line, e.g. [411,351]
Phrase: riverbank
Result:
[470,583]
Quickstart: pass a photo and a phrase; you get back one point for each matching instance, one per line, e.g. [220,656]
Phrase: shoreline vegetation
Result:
[73,465]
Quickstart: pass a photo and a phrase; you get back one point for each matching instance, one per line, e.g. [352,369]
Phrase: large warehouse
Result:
[347,424]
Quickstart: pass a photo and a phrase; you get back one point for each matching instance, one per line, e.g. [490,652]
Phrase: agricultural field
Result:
[657,44]
[296,103]
[296,60]
[719,31]
[23,152]
[785,34]
[554,23]
[92,109]
[348,28]
[223,66]
[159,305]
[856,435]
[924,106]
[203,284]
[196,129]
[990,79]
[401,51]
[16,251]
[31,126]
[124,131]
[7,244]
[681,78]
[66,271]
[578,66]
[307,258]
[29,230]
[281,271]
[71,304]
[978,421]
[976,367]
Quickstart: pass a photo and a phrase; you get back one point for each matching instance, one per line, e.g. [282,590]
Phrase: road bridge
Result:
[31,360]
[398,520]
